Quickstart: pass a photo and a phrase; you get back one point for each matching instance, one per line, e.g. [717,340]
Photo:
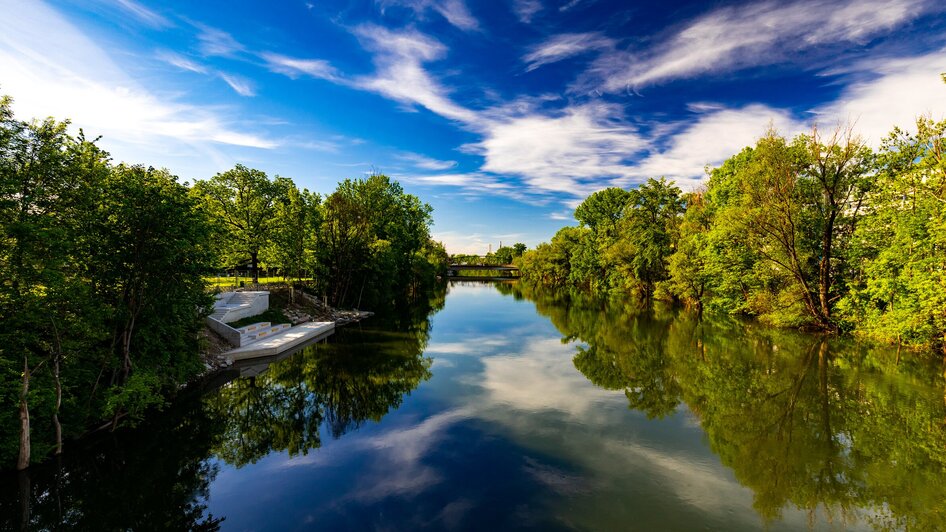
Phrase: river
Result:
[499,408]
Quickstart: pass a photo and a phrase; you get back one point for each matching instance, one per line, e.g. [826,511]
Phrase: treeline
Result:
[104,268]
[366,244]
[503,255]
[815,232]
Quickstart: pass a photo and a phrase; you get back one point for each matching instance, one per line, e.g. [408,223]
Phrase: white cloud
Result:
[526,9]
[241,86]
[564,46]
[454,11]
[293,68]
[52,69]
[426,163]
[399,58]
[569,153]
[181,62]
[713,138]
[143,14]
[897,91]
[532,154]
[734,37]
[215,42]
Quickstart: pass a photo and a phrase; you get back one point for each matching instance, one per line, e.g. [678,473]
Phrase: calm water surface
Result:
[501,409]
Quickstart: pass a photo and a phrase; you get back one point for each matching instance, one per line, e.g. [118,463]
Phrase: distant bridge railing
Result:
[480,271]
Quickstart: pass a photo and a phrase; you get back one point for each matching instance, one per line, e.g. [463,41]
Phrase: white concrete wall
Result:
[257,302]
[229,334]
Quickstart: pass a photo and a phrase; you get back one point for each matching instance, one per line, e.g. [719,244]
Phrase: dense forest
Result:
[817,232]
[105,271]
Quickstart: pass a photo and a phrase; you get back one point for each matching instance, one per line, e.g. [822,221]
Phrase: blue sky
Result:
[502,114]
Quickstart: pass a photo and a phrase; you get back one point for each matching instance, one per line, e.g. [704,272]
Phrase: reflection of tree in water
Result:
[157,477]
[820,424]
[153,478]
[359,375]
[626,345]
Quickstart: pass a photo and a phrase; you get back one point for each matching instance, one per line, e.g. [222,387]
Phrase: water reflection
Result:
[541,410]
[837,430]
[157,476]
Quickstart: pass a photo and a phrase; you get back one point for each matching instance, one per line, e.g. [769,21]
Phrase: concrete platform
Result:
[283,341]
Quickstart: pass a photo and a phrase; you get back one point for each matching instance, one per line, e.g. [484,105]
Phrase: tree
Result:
[650,227]
[152,249]
[897,260]
[374,233]
[45,177]
[799,199]
[602,210]
[244,200]
[292,246]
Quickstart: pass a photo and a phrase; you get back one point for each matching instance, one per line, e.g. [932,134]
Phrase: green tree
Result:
[372,233]
[650,228]
[45,179]
[244,202]
[898,292]
[297,219]
[151,249]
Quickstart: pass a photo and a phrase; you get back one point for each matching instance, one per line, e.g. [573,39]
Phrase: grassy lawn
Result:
[273,316]
[234,282]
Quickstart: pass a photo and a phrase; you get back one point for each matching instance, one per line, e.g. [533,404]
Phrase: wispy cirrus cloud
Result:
[569,152]
[216,42]
[877,100]
[708,139]
[536,151]
[53,69]
[564,46]
[399,58]
[240,85]
[294,67]
[426,163]
[142,13]
[181,62]
[526,9]
[742,36]
[454,11]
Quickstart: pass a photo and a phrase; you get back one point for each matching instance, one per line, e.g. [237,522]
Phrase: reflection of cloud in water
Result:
[476,346]
[556,479]
[542,377]
[699,483]
[398,470]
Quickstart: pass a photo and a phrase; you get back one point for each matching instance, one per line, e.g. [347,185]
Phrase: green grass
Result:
[234,282]
[274,316]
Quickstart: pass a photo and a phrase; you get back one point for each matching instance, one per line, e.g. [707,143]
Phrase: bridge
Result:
[480,271]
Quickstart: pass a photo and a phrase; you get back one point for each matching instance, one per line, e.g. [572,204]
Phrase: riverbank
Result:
[297,307]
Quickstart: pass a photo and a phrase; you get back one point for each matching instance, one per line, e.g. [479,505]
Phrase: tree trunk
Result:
[824,272]
[254,258]
[56,425]
[23,460]
[57,357]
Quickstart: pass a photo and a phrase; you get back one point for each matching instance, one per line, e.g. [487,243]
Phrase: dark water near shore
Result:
[504,409]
